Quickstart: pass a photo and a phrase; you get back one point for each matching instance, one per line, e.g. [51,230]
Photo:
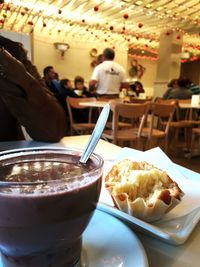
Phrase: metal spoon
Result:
[96,134]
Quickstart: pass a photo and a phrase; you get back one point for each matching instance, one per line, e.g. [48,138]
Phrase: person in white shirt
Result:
[108,77]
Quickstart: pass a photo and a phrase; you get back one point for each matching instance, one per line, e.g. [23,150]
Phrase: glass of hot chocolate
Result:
[47,199]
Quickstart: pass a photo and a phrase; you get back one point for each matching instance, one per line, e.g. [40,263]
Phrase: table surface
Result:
[188,105]
[158,252]
[102,103]
[98,104]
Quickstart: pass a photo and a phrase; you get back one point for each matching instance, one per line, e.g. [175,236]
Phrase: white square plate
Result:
[177,225]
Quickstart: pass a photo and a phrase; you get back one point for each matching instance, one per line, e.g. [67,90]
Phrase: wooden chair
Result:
[136,112]
[160,118]
[121,123]
[182,119]
[134,100]
[82,127]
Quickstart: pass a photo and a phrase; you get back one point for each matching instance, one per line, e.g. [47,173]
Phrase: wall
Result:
[192,71]
[77,60]
[23,38]
[149,75]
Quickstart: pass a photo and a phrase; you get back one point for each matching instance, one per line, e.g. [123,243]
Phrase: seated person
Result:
[50,78]
[25,100]
[137,88]
[194,88]
[80,89]
[173,84]
[56,82]
[65,91]
[66,87]
[182,91]
[80,115]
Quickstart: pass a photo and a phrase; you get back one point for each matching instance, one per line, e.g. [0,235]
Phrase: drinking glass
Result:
[47,199]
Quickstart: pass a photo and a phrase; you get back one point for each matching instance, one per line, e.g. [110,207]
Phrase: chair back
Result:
[137,113]
[176,116]
[73,102]
[160,112]
[137,100]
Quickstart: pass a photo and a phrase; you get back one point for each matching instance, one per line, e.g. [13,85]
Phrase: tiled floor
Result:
[178,156]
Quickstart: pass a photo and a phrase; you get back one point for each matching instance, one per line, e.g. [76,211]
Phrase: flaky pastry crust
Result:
[142,190]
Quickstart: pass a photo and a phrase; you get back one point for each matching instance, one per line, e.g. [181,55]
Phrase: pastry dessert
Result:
[142,190]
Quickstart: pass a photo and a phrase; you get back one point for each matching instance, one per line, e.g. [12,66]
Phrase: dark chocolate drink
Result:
[47,199]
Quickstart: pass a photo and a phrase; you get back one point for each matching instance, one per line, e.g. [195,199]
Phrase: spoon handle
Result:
[96,134]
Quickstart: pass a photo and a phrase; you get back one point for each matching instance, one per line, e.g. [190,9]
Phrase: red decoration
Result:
[30,23]
[44,25]
[22,13]
[7,8]
[140,25]
[167,33]
[111,28]
[59,11]
[178,37]
[83,20]
[125,16]
[1,21]
[105,40]
[96,8]
[59,31]
[124,28]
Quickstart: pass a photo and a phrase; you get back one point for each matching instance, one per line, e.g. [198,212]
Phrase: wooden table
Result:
[190,108]
[102,103]
[97,104]
[158,252]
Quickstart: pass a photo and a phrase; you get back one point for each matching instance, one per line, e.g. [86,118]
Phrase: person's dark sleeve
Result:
[87,93]
[28,100]
[167,93]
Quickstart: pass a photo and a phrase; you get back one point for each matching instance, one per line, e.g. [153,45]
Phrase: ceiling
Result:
[124,24]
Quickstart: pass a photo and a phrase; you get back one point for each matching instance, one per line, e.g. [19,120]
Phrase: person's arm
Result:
[94,81]
[28,100]
[124,83]
[167,93]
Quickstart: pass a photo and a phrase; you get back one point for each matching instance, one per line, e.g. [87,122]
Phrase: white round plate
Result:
[107,242]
